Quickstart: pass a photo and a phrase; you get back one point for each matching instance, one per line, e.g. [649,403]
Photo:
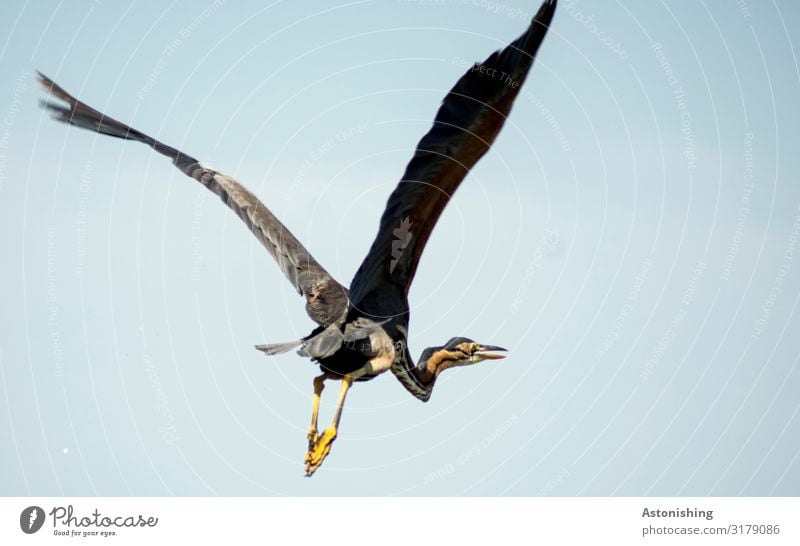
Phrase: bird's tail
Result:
[271,349]
[82,115]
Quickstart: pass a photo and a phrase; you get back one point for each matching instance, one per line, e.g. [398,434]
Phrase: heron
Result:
[362,331]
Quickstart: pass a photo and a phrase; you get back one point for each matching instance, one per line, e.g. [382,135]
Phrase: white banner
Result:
[401,521]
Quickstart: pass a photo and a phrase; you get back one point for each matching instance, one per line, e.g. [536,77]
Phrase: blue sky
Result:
[631,238]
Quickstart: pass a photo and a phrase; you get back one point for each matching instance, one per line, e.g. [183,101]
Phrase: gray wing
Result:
[326,299]
[466,125]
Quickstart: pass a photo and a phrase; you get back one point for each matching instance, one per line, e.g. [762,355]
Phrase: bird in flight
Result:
[362,331]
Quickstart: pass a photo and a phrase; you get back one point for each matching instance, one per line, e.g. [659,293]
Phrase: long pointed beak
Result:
[490,356]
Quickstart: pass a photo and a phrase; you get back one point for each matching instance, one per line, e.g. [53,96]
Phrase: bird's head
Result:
[459,351]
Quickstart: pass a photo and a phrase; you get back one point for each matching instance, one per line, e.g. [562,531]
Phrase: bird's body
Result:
[362,330]
[363,359]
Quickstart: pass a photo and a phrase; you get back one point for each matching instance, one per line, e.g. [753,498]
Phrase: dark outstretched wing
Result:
[326,299]
[469,119]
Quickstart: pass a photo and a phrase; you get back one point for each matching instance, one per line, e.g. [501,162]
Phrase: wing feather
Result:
[469,119]
[326,299]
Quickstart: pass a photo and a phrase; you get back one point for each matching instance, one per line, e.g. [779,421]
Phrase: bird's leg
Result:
[319,384]
[322,447]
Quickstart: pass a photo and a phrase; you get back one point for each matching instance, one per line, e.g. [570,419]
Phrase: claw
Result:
[317,453]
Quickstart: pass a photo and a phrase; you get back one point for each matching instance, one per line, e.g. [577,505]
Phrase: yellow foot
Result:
[317,453]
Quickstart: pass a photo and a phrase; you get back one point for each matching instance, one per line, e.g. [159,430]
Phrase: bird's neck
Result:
[417,379]
[420,378]
[430,366]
